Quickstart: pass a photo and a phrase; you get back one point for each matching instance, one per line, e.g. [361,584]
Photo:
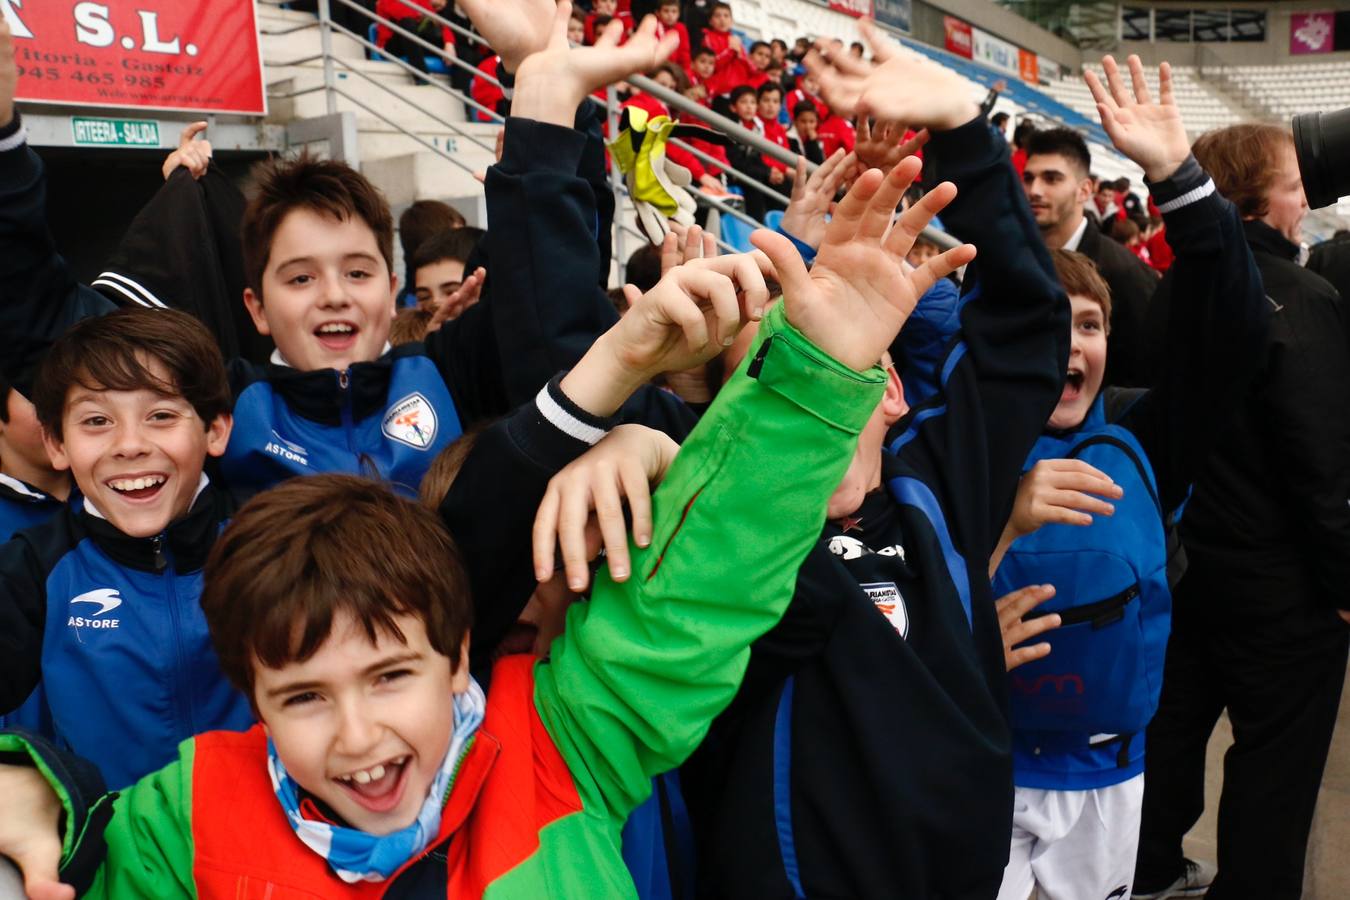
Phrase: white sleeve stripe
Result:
[1192,196]
[17,139]
[100,282]
[564,421]
[148,297]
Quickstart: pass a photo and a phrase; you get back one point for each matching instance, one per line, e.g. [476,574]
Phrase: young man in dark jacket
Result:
[1259,623]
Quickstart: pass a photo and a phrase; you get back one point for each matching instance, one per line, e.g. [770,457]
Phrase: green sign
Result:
[115,132]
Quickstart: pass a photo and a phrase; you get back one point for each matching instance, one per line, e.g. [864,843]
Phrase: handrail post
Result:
[326,42]
[615,180]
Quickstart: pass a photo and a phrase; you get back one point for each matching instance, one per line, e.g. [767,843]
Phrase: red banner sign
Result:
[195,55]
[859,9]
[1028,66]
[960,40]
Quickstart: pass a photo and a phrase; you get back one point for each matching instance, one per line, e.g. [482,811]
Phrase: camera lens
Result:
[1322,143]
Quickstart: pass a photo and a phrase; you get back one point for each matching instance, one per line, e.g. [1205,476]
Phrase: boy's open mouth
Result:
[336,336]
[1073,386]
[140,487]
[378,788]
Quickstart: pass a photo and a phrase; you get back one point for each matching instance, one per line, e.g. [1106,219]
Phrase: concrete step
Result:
[425,175]
[412,106]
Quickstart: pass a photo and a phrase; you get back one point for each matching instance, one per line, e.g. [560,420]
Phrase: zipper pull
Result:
[160,561]
[343,379]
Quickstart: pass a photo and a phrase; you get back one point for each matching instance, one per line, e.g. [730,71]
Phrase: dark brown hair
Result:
[410,325]
[426,219]
[457,245]
[1063,141]
[1241,160]
[1080,277]
[322,186]
[115,352]
[301,554]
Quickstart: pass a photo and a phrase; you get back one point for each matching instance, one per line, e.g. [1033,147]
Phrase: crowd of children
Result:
[888,548]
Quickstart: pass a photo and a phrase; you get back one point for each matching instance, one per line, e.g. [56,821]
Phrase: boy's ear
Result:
[253,303]
[56,451]
[893,402]
[393,288]
[459,679]
[1085,192]
[218,434]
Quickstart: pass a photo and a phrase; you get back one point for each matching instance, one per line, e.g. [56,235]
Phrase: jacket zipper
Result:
[344,383]
[181,682]
[1100,613]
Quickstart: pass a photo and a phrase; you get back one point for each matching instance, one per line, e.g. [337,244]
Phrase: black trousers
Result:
[1262,647]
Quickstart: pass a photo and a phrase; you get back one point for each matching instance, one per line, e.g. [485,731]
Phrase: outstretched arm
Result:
[643,668]
[1217,314]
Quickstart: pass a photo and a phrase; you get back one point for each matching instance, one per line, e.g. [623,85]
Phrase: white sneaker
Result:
[1194,882]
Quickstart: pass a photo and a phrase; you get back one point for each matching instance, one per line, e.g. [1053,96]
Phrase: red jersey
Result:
[776,133]
[801,96]
[683,55]
[836,132]
[484,91]
[394,10]
[734,68]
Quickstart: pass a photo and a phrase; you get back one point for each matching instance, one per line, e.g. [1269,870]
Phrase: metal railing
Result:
[673,100]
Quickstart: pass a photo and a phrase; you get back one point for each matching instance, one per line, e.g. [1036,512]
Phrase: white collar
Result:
[21,487]
[1077,237]
[278,360]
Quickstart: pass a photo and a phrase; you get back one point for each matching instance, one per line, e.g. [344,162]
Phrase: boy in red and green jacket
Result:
[381,768]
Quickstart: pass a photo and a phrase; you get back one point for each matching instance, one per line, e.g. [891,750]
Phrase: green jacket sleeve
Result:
[644,666]
[144,849]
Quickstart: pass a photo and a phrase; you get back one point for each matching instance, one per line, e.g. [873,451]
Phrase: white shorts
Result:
[1074,845]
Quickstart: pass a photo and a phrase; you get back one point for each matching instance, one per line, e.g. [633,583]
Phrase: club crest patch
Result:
[886,597]
[411,421]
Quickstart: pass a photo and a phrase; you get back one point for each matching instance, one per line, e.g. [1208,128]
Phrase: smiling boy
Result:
[380,767]
[101,601]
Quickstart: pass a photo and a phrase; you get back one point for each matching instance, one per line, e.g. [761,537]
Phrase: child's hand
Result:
[902,87]
[813,196]
[860,291]
[9,74]
[30,835]
[553,82]
[685,244]
[1059,490]
[470,289]
[626,464]
[193,155]
[514,28]
[885,147]
[1151,134]
[1012,609]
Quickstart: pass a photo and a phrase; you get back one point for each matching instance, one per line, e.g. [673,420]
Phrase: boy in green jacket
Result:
[380,767]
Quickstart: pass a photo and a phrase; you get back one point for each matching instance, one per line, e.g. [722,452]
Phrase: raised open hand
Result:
[883,146]
[902,87]
[860,291]
[514,28]
[813,195]
[1151,134]
[551,83]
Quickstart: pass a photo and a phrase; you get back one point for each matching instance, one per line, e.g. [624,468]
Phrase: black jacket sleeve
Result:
[1306,398]
[39,296]
[1003,375]
[1217,321]
[544,308]
[25,561]
[491,504]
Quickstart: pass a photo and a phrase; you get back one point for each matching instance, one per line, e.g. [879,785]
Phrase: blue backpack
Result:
[1104,671]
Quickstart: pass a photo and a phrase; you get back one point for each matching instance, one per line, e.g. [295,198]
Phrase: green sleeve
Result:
[644,666]
[150,836]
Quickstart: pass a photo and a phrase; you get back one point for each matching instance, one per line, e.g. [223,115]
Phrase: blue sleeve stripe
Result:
[915,493]
[782,787]
[953,358]
[912,431]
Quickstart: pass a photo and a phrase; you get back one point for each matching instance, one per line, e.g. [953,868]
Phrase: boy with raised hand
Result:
[1079,714]
[867,752]
[381,768]
[101,601]
[317,242]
